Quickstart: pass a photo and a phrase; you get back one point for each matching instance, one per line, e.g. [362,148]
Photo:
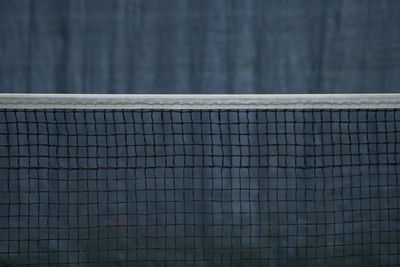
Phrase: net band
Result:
[301,101]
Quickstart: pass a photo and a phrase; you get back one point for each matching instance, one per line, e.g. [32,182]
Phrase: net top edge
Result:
[173,101]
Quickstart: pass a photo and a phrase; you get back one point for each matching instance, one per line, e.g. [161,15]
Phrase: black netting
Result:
[200,187]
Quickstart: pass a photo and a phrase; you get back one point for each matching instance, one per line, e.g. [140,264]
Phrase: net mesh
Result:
[200,187]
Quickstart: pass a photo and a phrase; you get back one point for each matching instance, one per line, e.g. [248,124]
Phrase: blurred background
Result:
[207,46]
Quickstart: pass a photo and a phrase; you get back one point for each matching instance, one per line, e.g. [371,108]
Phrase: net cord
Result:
[171,101]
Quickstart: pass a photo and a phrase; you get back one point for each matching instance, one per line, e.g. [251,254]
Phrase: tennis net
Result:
[200,180]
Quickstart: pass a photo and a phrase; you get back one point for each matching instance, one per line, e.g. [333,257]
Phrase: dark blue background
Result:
[207,46]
